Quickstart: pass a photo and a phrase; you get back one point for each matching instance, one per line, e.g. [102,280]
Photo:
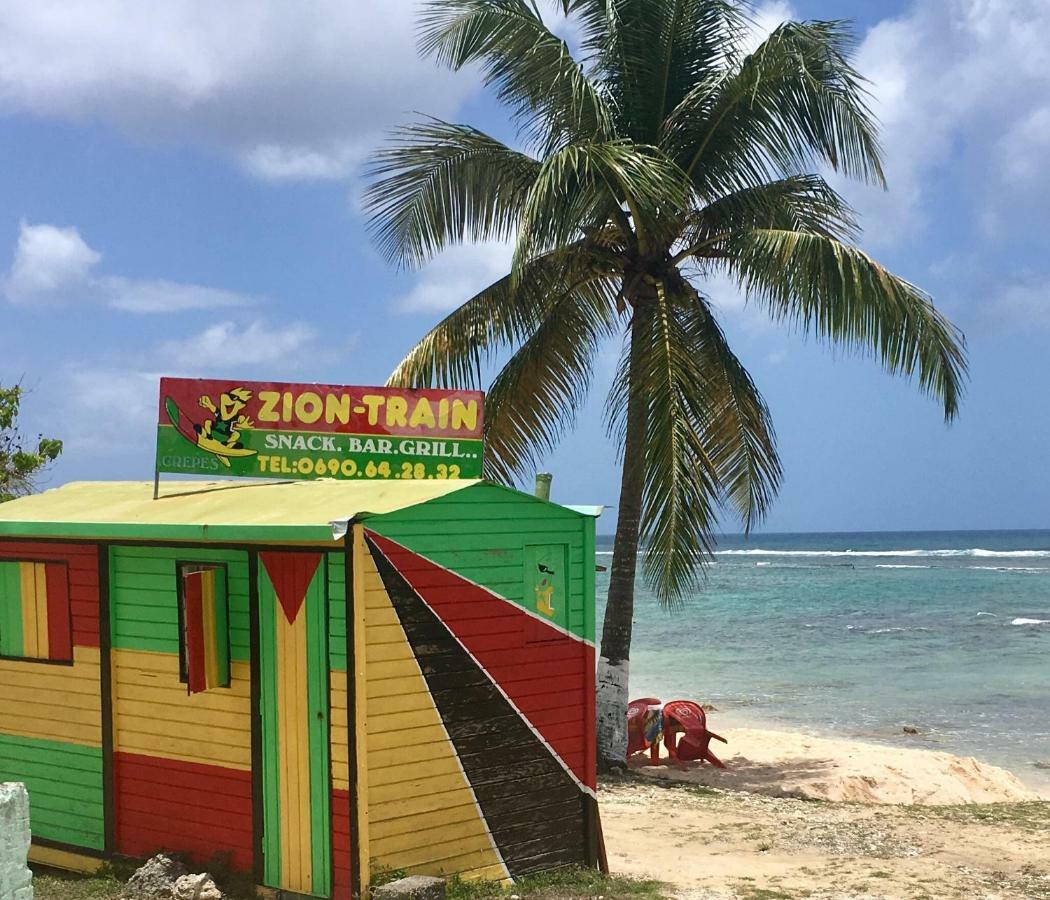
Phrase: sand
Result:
[792,764]
[827,819]
[714,845]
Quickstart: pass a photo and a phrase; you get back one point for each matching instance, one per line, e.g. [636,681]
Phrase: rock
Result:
[16,881]
[910,729]
[708,707]
[155,879]
[1042,764]
[196,887]
[414,887]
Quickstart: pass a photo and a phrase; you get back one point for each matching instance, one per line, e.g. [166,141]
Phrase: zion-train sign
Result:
[275,430]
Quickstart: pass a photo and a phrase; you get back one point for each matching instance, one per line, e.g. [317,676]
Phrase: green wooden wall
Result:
[481,534]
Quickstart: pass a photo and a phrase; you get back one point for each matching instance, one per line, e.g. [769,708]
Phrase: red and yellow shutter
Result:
[207,629]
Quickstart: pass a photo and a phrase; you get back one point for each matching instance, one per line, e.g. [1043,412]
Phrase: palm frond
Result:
[795,103]
[657,52]
[455,352]
[840,293]
[442,184]
[680,499]
[536,395]
[590,183]
[797,203]
[529,66]
[736,429]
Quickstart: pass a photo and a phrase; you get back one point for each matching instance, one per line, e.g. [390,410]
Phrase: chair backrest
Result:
[686,714]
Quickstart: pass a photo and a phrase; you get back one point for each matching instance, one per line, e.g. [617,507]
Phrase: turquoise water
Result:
[862,634]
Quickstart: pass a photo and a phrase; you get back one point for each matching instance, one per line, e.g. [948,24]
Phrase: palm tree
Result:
[668,155]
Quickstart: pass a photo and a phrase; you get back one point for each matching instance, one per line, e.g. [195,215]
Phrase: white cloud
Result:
[457,275]
[765,20]
[291,90]
[55,266]
[960,88]
[236,345]
[49,264]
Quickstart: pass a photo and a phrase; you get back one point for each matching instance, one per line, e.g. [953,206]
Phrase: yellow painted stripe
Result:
[56,703]
[65,860]
[340,731]
[293,712]
[153,714]
[211,662]
[358,609]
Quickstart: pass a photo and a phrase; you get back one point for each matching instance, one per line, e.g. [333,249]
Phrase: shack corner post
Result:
[378,662]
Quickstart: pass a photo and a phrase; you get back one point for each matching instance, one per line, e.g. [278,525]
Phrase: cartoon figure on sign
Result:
[544,592]
[219,435]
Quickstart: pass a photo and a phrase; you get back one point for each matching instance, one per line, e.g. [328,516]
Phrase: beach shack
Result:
[312,680]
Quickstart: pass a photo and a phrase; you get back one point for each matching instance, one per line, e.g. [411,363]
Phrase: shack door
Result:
[294,708]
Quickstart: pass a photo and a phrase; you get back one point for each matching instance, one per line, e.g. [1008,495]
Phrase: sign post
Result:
[306,431]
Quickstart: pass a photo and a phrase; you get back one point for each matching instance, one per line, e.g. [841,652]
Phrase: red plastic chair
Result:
[689,719]
[643,728]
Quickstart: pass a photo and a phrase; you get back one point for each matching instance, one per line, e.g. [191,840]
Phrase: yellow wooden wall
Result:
[153,715]
[53,703]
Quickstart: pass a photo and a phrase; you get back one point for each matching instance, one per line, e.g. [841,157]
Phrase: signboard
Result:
[274,430]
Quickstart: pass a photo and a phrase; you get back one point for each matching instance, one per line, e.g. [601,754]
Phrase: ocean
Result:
[859,635]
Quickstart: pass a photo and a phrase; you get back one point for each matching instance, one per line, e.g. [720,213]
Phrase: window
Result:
[34,611]
[204,627]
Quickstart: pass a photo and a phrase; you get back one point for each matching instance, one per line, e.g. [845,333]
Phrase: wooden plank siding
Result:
[422,815]
[163,736]
[51,726]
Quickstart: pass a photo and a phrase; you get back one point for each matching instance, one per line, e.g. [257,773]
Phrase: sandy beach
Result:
[797,815]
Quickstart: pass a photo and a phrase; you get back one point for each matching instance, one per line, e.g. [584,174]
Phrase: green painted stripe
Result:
[587,626]
[337,611]
[271,758]
[11,638]
[65,787]
[240,534]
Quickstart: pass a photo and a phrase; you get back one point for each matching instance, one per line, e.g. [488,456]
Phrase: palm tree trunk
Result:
[614,662]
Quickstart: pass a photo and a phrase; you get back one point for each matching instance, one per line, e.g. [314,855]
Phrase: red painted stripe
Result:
[183,807]
[196,674]
[341,862]
[82,560]
[509,650]
[59,626]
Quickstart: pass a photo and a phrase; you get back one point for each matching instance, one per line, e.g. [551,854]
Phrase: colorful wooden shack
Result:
[314,680]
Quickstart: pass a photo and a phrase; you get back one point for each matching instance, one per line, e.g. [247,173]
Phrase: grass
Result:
[1030,816]
[563,884]
[48,885]
[108,883]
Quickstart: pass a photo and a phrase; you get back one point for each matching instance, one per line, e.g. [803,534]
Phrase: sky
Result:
[180,191]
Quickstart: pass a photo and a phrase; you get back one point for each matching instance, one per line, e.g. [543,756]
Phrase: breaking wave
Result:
[975,552]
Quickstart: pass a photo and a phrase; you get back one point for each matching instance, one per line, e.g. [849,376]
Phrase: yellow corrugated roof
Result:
[214,510]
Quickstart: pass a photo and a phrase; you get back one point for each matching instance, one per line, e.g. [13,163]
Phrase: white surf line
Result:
[489,591]
[495,684]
